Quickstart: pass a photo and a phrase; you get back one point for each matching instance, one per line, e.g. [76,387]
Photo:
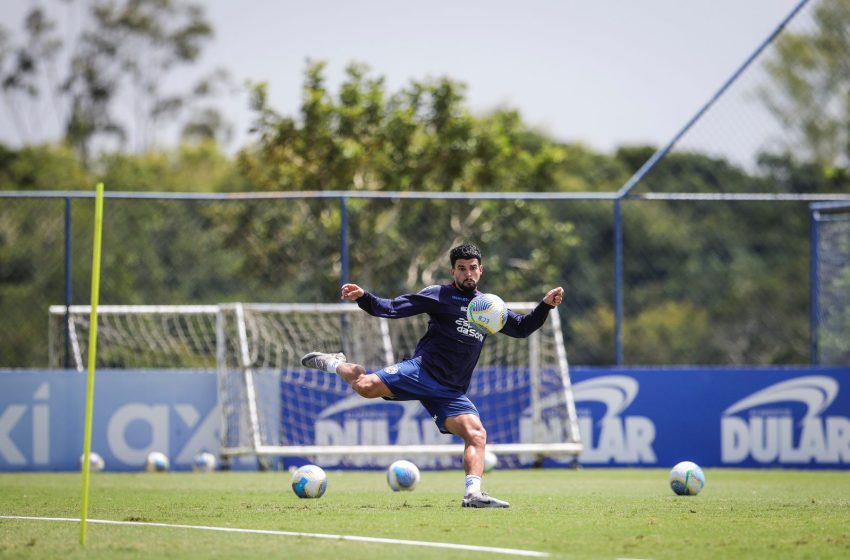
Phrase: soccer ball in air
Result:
[487,311]
[687,479]
[157,462]
[402,475]
[203,462]
[309,481]
[96,462]
[490,461]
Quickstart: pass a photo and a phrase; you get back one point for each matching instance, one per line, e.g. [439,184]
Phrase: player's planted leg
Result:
[483,500]
[469,428]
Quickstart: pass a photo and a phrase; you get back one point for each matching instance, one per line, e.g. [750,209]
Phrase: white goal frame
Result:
[224,338]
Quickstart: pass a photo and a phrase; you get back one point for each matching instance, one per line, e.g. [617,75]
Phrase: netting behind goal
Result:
[135,336]
[272,405]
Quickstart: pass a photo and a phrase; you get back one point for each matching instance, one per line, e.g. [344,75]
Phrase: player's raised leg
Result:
[324,361]
[365,384]
[470,429]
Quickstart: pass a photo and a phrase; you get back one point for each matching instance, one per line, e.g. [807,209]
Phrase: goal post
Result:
[271,405]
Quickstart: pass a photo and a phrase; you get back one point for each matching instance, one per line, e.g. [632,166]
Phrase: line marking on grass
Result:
[469,547]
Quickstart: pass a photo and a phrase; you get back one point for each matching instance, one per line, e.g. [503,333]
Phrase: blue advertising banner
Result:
[42,416]
[644,417]
[718,417]
[641,417]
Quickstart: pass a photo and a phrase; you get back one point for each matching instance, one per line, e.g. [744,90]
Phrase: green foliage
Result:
[421,138]
[710,282]
[82,69]
[592,336]
[41,168]
[738,264]
[32,247]
[31,275]
[678,329]
[808,84]
[191,167]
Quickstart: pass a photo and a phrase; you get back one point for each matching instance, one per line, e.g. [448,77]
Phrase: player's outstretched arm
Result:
[554,297]
[352,292]
[520,326]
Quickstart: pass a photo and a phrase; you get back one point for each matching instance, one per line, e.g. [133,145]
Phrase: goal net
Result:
[271,405]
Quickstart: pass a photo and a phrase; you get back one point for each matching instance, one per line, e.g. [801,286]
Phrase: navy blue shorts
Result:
[409,381]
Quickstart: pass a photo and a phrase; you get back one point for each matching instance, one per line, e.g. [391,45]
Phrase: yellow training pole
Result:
[95,290]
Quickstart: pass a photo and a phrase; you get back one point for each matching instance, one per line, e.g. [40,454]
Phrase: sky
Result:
[602,72]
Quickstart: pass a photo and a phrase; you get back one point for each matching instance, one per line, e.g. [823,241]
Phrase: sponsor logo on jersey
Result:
[466,329]
[391,369]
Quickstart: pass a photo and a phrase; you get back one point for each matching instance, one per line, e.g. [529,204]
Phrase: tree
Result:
[116,66]
[809,71]
[421,138]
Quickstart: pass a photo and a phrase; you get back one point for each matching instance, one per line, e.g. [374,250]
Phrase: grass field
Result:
[591,513]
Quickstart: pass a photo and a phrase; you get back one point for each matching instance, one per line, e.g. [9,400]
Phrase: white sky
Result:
[602,72]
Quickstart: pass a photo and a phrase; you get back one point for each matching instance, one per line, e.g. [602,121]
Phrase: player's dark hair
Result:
[465,251]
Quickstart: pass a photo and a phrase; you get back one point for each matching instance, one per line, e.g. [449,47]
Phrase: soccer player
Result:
[440,370]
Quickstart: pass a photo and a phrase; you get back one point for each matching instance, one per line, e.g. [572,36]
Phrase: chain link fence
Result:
[830,283]
[704,282]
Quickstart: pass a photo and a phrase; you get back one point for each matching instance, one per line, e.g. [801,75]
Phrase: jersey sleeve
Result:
[521,326]
[405,305]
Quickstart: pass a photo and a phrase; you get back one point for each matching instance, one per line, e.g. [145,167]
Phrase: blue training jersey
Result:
[450,347]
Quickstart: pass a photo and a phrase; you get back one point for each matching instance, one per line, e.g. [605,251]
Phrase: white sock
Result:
[332,365]
[473,484]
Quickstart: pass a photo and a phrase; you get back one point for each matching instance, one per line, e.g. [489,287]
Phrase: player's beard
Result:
[468,285]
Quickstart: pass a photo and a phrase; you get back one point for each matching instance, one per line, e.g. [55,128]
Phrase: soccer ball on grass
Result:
[402,476]
[203,462]
[487,311]
[309,481]
[96,462]
[687,479]
[157,462]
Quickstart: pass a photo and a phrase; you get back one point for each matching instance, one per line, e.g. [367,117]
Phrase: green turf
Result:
[591,513]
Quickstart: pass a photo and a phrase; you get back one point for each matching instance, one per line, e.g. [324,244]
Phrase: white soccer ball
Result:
[309,481]
[204,462]
[687,479]
[487,311]
[402,475]
[157,462]
[96,462]
[490,461]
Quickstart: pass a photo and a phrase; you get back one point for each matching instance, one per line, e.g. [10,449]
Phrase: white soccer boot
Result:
[323,361]
[483,500]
